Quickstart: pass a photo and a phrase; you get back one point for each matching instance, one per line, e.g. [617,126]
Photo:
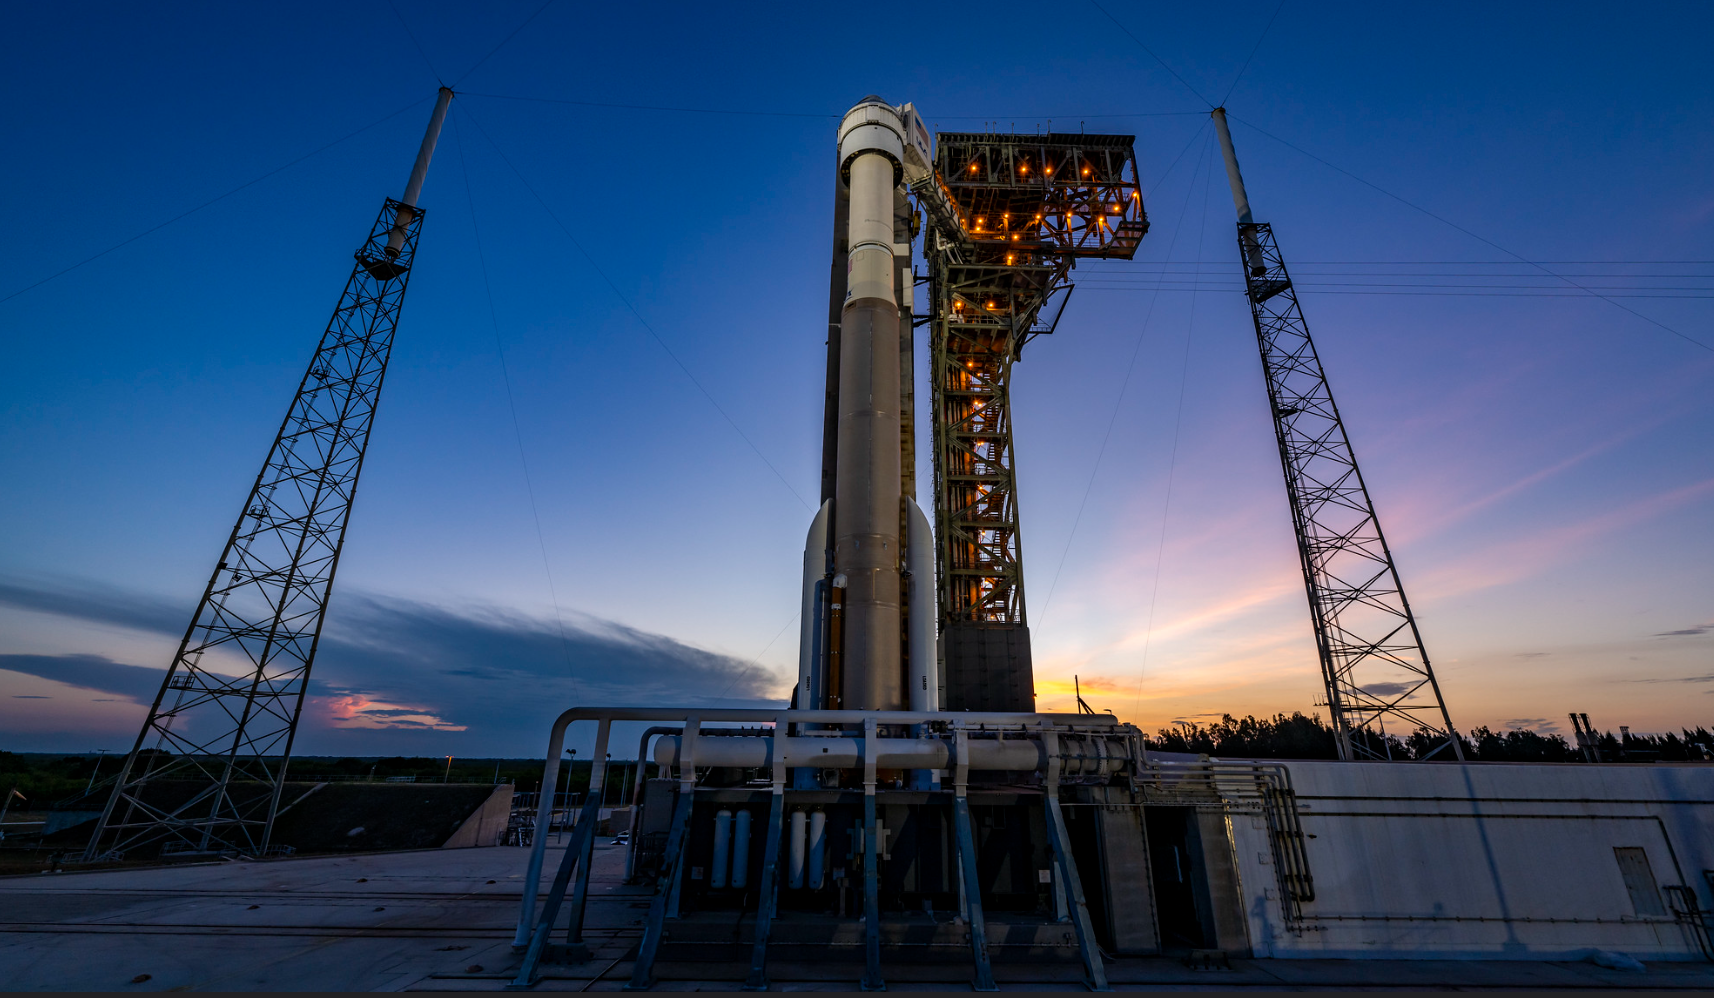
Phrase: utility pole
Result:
[218,737]
[1373,661]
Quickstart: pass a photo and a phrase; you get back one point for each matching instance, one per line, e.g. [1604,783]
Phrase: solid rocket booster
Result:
[867,496]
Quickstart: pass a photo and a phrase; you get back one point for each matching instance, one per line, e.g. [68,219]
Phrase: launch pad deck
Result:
[417,921]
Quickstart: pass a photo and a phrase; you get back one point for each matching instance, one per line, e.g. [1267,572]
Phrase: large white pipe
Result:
[740,849]
[1240,196]
[795,854]
[919,556]
[814,570]
[1080,754]
[867,490]
[419,173]
[817,849]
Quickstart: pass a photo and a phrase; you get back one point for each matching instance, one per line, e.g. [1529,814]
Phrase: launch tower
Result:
[1373,661]
[207,769]
[1007,217]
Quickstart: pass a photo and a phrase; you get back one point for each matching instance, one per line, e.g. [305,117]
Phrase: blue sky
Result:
[1542,464]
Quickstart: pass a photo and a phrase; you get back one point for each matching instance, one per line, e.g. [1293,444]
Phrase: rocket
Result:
[867,640]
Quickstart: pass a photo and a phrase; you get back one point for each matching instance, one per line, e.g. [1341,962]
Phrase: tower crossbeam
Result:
[1373,662]
[208,767]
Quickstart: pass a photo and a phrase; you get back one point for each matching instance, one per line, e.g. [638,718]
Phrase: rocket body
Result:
[866,505]
[855,653]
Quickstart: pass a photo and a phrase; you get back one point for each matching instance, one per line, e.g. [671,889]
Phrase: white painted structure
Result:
[1486,860]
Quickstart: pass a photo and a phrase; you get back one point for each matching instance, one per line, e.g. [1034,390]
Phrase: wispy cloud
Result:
[1687,631]
[1528,555]
[390,666]
[1672,679]
[90,672]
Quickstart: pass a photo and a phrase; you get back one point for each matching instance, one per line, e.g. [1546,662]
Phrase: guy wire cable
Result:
[626,301]
[1172,462]
[1136,349]
[512,405]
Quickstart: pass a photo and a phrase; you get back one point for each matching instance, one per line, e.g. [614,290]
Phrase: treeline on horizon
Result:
[1299,737]
[44,778]
[48,778]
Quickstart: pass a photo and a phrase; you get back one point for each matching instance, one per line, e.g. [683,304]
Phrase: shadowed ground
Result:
[442,920]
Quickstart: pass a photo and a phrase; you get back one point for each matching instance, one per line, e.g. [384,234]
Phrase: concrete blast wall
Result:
[1486,860]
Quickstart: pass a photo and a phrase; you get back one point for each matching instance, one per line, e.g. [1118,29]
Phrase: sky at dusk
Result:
[656,250]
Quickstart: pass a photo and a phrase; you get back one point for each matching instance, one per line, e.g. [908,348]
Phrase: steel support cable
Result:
[1151,53]
[1478,263]
[744,112]
[412,35]
[215,200]
[1172,461]
[1205,283]
[511,402]
[1323,290]
[1248,59]
[626,301]
[655,107]
[758,657]
[1479,238]
[1130,369]
[502,44]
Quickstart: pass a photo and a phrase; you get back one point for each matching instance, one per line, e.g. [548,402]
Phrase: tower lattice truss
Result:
[1008,216]
[1373,661]
[208,768]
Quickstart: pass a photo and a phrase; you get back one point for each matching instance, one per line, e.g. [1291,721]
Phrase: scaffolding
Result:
[1008,217]
[208,767]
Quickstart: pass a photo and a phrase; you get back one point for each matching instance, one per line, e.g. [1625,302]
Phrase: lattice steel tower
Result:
[1373,661]
[1008,217]
[207,770]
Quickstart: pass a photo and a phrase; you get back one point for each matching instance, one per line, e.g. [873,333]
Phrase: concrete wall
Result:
[486,826]
[1487,860]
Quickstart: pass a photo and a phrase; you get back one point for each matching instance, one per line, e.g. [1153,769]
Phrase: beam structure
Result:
[1373,662]
[207,769]
[1008,217]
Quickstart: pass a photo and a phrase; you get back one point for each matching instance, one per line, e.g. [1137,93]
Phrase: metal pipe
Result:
[637,793]
[1240,197]
[1086,756]
[538,847]
[795,857]
[419,172]
[817,849]
[974,720]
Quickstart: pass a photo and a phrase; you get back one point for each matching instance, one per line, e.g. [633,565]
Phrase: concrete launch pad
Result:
[420,921]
